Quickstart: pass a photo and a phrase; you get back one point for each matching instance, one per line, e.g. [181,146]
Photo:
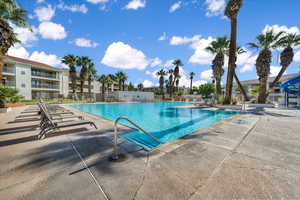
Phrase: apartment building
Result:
[34,79]
[276,95]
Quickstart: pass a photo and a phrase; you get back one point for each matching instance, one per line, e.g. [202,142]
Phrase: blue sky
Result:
[143,36]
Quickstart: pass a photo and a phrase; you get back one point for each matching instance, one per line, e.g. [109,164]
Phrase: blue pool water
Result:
[163,120]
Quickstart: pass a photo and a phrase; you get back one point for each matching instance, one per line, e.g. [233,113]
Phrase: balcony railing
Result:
[45,86]
[9,70]
[10,83]
[44,74]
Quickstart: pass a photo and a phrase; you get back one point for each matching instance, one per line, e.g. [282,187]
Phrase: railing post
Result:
[116,153]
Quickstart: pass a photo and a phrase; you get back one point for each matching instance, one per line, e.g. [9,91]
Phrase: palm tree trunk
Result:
[1,68]
[232,60]
[123,86]
[218,86]
[103,91]
[278,77]
[73,79]
[191,87]
[244,93]
[262,90]
[90,89]
[162,92]
[81,88]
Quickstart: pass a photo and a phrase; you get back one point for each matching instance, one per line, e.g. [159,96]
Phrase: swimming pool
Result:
[164,120]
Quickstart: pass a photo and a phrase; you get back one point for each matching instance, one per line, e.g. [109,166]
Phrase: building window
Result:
[23,72]
[23,85]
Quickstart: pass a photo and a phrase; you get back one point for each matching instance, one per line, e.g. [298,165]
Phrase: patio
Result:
[252,156]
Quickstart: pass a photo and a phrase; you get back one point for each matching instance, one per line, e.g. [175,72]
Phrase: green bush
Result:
[8,95]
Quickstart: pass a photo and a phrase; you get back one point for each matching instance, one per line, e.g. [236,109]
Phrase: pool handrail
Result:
[116,155]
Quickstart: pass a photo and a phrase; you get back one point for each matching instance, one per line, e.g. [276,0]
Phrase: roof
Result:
[31,62]
[271,79]
[291,82]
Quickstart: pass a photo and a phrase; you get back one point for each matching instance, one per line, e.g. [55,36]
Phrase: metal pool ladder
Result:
[115,156]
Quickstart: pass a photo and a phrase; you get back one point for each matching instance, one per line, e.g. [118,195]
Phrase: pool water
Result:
[164,120]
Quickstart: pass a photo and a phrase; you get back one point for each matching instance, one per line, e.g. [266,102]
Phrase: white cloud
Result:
[185,81]
[275,70]
[163,37]
[175,6]
[155,62]
[121,55]
[169,63]
[207,74]
[147,83]
[83,42]
[176,40]
[97,1]
[297,56]
[277,28]
[246,68]
[42,57]
[135,4]
[45,13]
[201,56]
[215,7]
[40,1]
[18,51]
[73,8]
[50,30]
[24,34]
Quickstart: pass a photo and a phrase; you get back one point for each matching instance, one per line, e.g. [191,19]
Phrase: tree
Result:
[161,74]
[192,74]
[103,80]
[10,13]
[8,95]
[71,61]
[131,87]
[140,87]
[206,90]
[287,55]
[84,62]
[111,79]
[231,11]
[219,48]
[91,74]
[177,64]
[265,43]
[171,81]
[121,77]
[241,87]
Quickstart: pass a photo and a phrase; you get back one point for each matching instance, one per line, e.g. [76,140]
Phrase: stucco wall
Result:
[23,80]
[133,96]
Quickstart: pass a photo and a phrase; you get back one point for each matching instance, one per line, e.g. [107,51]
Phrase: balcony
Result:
[45,86]
[9,70]
[10,83]
[44,74]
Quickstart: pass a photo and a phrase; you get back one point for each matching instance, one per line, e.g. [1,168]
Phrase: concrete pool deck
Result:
[251,156]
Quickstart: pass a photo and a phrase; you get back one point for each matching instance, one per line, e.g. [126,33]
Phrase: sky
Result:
[141,37]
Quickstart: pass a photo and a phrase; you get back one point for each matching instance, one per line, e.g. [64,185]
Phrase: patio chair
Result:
[49,125]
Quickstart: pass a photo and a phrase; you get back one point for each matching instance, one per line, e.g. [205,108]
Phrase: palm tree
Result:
[111,79]
[177,64]
[239,51]
[121,77]
[231,11]
[171,81]
[177,83]
[10,12]
[192,74]
[84,62]
[287,55]
[71,61]
[140,86]
[161,73]
[219,47]
[265,43]
[91,73]
[103,80]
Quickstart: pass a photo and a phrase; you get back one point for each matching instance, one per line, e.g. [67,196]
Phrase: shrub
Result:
[8,95]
